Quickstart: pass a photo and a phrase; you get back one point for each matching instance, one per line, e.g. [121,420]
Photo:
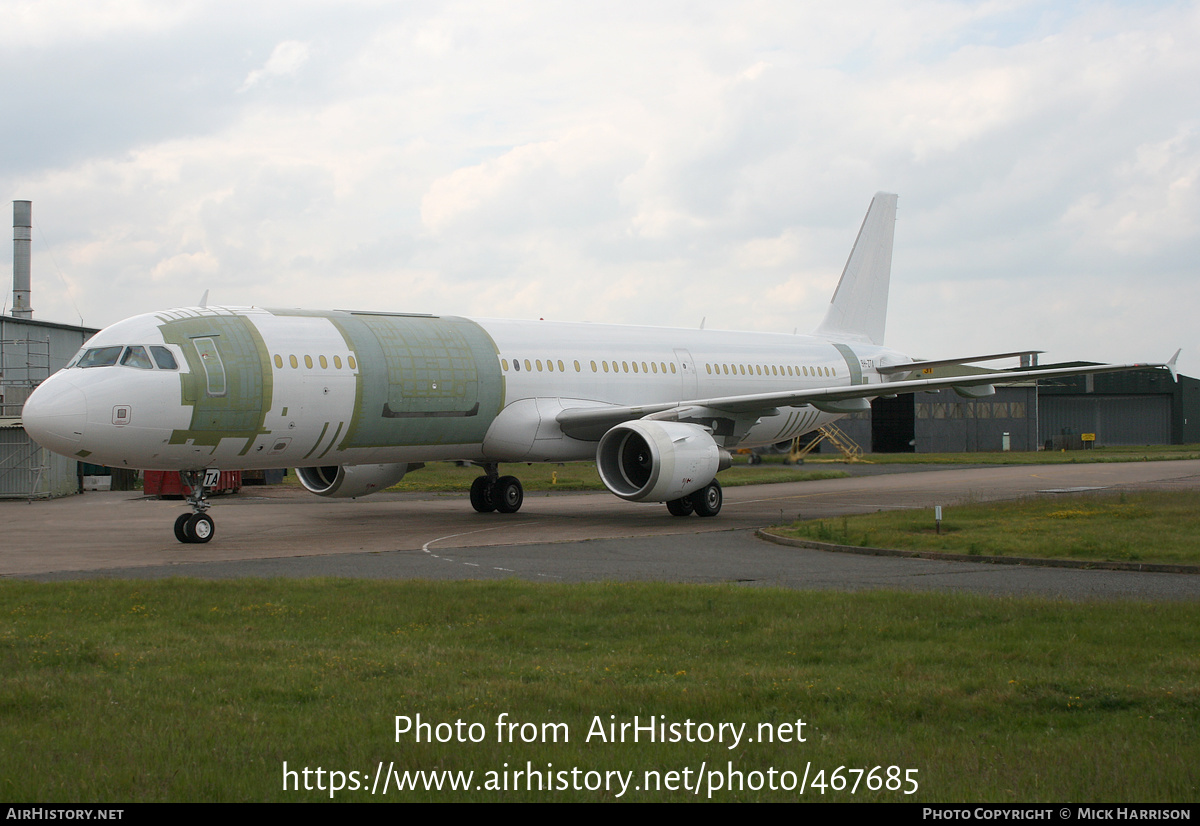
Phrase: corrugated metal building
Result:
[29,352]
[944,422]
[1143,407]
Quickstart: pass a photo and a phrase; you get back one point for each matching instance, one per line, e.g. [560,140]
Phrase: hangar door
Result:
[1116,420]
[893,425]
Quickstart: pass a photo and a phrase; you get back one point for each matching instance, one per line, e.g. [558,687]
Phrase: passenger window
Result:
[136,357]
[164,358]
[101,357]
[214,369]
[292,361]
[593,365]
[351,362]
[278,360]
[504,364]
[337,362]
[308,362]
[324,363]
[577,368]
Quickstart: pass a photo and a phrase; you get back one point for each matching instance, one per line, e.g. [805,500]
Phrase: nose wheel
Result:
[197,527]
[194,527]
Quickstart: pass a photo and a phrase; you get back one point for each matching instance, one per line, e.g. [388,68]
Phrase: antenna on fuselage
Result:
[204,299]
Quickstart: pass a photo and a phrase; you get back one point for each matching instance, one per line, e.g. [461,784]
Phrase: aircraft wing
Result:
[589,423]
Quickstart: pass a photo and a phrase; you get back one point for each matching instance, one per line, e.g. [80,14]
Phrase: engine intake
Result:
[652,461]
[350,481]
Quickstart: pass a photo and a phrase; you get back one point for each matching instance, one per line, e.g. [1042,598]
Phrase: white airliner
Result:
[355,400]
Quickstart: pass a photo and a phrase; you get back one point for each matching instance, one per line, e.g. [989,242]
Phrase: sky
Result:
[661,163]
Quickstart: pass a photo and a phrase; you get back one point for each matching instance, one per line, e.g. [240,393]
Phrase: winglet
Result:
[1170,365]
[204,299]
[858,309]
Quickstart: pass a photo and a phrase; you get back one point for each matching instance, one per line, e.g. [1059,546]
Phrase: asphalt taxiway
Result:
[568,537]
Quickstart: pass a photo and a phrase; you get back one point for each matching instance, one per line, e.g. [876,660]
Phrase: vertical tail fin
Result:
[858,309]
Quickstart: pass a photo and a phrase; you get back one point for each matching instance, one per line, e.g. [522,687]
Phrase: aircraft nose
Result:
[54,415]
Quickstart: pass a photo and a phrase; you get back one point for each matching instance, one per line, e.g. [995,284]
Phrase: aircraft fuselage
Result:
[255,388]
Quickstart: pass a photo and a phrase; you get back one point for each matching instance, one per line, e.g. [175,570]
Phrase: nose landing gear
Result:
[197,526]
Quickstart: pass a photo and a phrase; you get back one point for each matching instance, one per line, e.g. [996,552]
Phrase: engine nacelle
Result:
[350,481]
[651,461]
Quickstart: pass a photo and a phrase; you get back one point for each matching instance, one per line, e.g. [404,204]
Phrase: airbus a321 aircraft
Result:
[354,400]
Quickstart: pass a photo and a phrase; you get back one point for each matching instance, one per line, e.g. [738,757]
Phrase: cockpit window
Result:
[163,358]
[100,357]
[136,357]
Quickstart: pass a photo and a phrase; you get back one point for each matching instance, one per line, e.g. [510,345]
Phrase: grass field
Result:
[1160,526]
[582,476]
[1121,453]
[197,691]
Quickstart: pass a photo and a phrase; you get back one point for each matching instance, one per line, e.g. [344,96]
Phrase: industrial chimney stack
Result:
[22,238]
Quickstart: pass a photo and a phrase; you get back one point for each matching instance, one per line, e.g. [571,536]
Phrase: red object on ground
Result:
[168,483]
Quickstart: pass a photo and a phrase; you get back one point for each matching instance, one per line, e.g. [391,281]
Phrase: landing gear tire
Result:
[681,507]
[708,500]
[200,527]
[508,494]
[181,528]
[482,498]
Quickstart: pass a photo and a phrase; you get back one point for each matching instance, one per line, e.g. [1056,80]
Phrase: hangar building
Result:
[1140,407]
[30,351]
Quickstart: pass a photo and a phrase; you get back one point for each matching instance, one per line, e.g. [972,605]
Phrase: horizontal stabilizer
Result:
[921,365]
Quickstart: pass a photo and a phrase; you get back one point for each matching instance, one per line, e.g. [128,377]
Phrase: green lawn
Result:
[196,691]
[1158,526]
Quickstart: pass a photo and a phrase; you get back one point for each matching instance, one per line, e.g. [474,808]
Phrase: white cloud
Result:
[286,59]
[628,162]
[44,23]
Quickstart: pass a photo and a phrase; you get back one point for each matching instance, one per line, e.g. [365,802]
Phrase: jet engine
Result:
[652,461]
[350,481]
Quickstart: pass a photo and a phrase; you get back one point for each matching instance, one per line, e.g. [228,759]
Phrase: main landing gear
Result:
[705,502]
[494,492]
[197,526]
